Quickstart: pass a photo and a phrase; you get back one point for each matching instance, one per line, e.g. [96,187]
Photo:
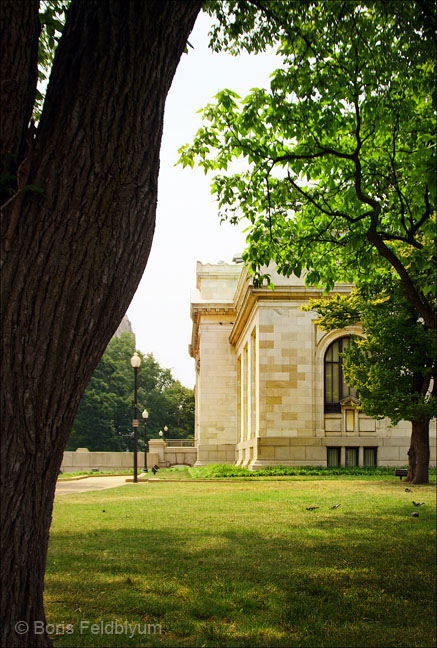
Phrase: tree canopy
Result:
[340,154]
[104,418]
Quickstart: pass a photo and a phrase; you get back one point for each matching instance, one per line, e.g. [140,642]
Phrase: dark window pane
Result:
[351,456]
[370,456]
[328,383]
[333,456]
[335,383]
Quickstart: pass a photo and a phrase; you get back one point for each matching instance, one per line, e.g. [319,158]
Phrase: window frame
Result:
[331,407]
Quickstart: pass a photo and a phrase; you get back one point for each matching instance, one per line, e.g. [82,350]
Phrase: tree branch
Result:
[415,298]
[280,22]
[289,157]
[396,184]
[310,199]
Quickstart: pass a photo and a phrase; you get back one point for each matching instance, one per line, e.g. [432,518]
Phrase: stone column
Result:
[342,456]
[156,454]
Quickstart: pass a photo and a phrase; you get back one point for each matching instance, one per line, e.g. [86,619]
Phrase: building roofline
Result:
[245,298]
[216,271]
[246,301]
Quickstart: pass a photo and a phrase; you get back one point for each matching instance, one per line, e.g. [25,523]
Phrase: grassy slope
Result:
[244,564]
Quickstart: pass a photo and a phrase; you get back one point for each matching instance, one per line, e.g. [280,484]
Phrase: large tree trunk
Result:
[418,454]
[73,256]
[20,29]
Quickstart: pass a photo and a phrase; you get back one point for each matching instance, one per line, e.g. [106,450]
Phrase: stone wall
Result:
[82,460]
[212,310]
[159,454]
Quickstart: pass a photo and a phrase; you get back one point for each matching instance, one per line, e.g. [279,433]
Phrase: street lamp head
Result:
[135,361]
[145,414]
[161,433]
[165,429]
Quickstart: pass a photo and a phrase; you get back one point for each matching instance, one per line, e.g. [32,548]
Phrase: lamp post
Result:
[145,415]
[135,363]
[165,429]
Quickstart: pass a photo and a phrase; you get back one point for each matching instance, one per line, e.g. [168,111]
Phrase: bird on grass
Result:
[414,514]
[312,508]
[336,506]
[408,490]
[418,503]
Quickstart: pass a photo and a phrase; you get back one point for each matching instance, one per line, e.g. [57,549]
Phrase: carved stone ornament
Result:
[350,402]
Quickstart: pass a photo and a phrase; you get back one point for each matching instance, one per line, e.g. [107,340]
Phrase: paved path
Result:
[89,484]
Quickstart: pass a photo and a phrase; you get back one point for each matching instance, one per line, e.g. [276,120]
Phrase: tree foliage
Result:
[339,177]
[104,418]
[52,15]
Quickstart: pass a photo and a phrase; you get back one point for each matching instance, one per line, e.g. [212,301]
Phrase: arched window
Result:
[335,386]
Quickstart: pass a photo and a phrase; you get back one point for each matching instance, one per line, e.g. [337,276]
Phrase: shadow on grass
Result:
[347,580]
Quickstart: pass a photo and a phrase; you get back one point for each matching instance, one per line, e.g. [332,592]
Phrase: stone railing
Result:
[180,443]
[165,456]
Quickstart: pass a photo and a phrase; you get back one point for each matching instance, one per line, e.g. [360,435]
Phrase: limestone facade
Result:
[260,380]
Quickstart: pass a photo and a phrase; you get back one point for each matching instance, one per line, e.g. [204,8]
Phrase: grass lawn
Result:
[244,564]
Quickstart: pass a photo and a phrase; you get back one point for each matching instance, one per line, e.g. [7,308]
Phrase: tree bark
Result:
[411,463]
[20,28]
[75,254]
[418,454]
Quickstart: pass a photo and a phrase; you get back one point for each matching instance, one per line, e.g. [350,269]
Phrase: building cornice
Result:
[246,300]
[206,308]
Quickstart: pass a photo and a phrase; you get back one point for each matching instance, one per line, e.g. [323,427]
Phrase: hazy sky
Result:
[188,228]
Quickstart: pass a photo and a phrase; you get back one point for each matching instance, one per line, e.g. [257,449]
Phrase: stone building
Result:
[124,327]
[269,384]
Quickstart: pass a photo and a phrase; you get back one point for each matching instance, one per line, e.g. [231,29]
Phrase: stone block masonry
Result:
[260,379]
